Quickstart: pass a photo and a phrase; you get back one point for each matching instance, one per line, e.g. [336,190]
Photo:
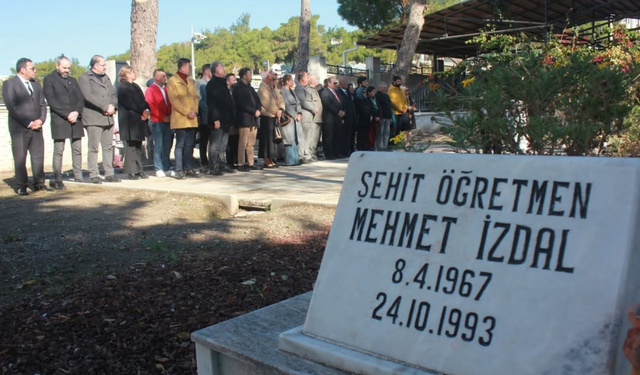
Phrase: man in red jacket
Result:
[156,96]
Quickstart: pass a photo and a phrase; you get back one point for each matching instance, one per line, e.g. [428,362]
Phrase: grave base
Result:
[352,361]
[248,344]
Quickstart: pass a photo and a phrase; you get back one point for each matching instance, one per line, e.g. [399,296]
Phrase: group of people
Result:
[289,117]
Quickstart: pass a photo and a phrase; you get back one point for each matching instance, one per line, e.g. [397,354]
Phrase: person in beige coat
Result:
[184,117]
[272,106]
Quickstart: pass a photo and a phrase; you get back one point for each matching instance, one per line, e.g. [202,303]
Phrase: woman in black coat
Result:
[133,115]
[368,118]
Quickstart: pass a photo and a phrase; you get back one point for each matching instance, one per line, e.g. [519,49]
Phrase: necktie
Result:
[336,95]
[29,87]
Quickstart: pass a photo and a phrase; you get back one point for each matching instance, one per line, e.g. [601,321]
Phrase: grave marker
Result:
[478,265]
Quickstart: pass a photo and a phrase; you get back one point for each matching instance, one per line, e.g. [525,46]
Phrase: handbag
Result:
[285,119]
[277,133]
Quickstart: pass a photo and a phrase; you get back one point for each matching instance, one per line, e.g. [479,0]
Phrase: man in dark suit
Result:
[221,117]
[332,115]
[347,130]
[66,103]
[27,113]
[247,113]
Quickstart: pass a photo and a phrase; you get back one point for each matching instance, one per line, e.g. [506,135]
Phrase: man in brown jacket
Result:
[184,117]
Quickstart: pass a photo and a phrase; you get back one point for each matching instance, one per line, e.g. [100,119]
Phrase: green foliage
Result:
[241,46]
[372,16]
[563,98]
[46,67]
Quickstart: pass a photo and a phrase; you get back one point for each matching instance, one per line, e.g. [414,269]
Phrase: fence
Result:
[419,70]
[339,70]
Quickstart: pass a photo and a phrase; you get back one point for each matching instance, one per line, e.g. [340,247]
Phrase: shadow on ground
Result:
[112,281]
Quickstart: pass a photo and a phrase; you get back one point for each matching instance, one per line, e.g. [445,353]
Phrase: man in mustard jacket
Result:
[184,117]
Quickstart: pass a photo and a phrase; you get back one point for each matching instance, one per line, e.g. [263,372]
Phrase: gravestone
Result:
[477,265]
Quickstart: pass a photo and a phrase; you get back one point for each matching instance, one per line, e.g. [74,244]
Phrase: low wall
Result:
[6,157]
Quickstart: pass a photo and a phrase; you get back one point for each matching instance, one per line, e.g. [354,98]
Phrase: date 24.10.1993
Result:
[447,322]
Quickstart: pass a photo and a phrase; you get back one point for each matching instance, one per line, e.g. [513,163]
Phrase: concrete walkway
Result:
[316,183]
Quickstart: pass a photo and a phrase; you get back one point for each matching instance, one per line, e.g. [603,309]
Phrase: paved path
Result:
[316,183]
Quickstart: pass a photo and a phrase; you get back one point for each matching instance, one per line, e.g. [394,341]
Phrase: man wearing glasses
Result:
[27,113]
[332,115]
[100,104]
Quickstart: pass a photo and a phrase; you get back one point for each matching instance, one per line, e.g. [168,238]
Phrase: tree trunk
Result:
[302,62]
[410,39]
[144,27]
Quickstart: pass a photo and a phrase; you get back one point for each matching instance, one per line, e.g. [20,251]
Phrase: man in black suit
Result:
[332,115]
[221,117]
[66,103]
[247,113]
[27,113]
[347,130]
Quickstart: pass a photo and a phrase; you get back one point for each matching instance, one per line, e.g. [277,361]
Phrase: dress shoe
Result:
[142,175]
[22,191]
[180,175]
[58,185]
[227,169]
[215,171]
[192,174]
[42,187]
[79,180]
[112,178]
[255,167]
[133,177]
[244,168]
[95,180]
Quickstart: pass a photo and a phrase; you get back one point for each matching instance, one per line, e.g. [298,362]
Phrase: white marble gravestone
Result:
[477,265]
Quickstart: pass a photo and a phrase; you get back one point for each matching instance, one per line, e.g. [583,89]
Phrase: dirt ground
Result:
[107,281]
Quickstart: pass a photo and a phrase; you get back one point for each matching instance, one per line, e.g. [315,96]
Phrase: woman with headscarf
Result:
[133,116]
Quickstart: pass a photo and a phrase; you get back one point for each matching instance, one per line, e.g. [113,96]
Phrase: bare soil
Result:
[109,281]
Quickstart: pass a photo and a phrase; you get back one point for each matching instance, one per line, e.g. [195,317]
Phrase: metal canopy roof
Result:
[446,32]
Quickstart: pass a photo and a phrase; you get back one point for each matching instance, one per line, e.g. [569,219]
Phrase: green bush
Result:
[562,99]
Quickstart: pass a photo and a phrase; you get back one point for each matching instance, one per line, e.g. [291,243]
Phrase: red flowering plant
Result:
[564,98]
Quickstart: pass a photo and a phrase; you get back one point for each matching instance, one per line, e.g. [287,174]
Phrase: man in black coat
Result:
[66,103]
[247,113]
[332,115]
[27,113]
[222,116]
[386,111]
[347,130]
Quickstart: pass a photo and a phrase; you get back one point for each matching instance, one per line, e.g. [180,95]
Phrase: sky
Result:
[44,29]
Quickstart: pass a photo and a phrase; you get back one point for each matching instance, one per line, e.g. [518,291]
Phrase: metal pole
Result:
[193,57]
[546,23]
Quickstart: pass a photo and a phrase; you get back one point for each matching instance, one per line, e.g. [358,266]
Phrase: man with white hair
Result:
[314,137]
[382,132]
[309,110]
